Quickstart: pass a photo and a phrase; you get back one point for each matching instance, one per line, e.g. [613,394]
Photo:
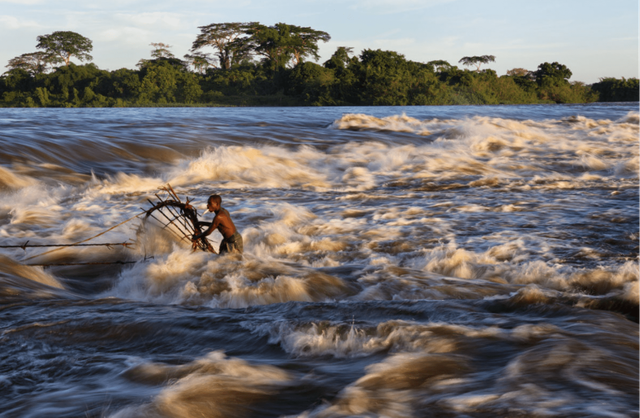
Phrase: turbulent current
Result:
[398,262]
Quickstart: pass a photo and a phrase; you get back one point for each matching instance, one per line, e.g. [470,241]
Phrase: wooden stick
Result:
[168,220]
[173,213]
[106,244]
[170,230]
[88,239]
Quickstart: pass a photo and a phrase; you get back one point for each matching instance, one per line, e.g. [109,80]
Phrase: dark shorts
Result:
[233,244]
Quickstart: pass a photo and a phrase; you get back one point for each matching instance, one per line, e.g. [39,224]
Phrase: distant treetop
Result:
[477,61]
[519,72]
[60,46]
[33,62]
[229,40]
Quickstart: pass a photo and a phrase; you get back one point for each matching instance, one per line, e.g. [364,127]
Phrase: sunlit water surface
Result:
[399,262]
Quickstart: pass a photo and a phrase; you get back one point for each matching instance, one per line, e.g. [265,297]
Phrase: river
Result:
[451,261]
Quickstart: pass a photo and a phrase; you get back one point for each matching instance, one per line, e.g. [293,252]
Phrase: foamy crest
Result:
[543,154]
[398,123]
[629,277]
[129,183]
[531,380]
[627,167]
[75,228]
[513,149]
[35,205]
[507,263]
[350,166]
[297,233]
[186,277]
[320,339]
[347,341]
[35,274]
[344,341]
[160,279]
[632,118]
[630,292]
[392,388]
[10,180]
[212,386]
[455,262]
[247,166]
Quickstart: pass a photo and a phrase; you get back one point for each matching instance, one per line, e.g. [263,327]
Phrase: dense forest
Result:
[257,65]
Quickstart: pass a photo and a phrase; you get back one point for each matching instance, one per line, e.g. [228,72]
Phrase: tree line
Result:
[251,64]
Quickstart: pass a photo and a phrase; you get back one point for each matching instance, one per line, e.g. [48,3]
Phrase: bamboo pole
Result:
[178,216]
[170,230]
[88,239]
[105,244]
[168,220]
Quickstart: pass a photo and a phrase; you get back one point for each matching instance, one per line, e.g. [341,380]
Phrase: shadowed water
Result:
[399,262]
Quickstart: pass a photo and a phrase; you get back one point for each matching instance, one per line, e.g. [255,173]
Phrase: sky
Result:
[593,38]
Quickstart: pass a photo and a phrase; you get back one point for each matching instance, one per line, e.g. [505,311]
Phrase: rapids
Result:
[399,262]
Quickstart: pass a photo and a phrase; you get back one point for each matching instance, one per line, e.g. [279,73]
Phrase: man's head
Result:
[214,202]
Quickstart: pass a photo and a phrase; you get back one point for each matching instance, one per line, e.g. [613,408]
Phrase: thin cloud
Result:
[153,19]
[398,6]
[12,22]
[393,44]
[23,2]
[122,33]
[515,45]
[625,39]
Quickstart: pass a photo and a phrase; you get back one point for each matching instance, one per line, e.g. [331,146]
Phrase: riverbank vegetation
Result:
[258,65]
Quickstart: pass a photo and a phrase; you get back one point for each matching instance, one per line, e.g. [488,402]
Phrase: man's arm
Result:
[212,226]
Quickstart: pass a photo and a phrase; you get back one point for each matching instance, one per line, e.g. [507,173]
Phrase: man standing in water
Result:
[232,242]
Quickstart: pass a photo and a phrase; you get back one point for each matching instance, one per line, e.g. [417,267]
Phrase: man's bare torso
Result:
[223,223]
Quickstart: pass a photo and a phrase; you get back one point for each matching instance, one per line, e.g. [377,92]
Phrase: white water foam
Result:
[212,386]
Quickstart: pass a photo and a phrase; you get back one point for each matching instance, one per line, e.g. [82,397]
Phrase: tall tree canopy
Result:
[33,62]
[281,43]
[230,41]
[199,61]
[518,72]
[615,90]
[305,42]
[60,46]
[554,73]
[272,42]
[477,61]
[161,50]
[283,77]
[161,54]
[383,78]
[439,65]
[340,58]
